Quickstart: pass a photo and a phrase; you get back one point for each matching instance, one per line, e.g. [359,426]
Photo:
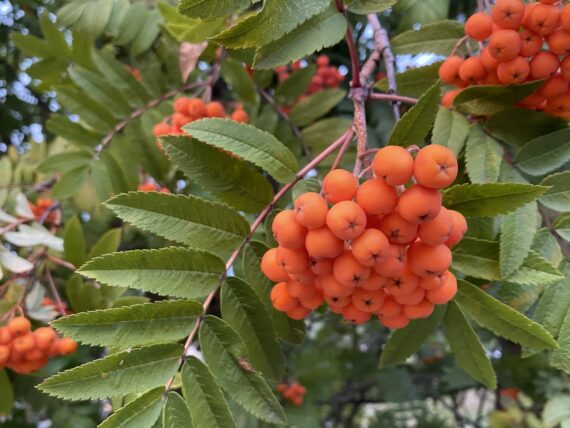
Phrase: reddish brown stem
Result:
[55,294]
[355,83]
[392,97]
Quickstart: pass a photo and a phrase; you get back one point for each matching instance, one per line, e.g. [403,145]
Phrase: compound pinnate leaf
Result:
[561,356]
[176,413]
[483,157]
[544,153]
[227,357]
[450,130]
[501,319]
[204,397]
[467,347]
[173,271]
[136,325]
[439,38]
[188,220]
[316,106]
[517,235]
[142,412]
[557,198]
[128,372]
[414,82]
[249,143]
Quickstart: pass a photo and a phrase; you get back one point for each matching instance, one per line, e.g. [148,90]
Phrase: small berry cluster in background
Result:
[41,206]
[26,351]
[295,393]
[519,43]
[152,187]
[326,77]
[187,110]
[378,248]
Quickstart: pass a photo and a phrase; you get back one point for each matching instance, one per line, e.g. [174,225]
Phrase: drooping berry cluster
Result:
[326,77]
[41,206]
[187,110]
[380,248]
[520,42]
[26,351]
[295,393]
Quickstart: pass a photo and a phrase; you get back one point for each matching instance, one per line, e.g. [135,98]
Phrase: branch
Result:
[54,292]
[257,222]
[392,97]
[356,83]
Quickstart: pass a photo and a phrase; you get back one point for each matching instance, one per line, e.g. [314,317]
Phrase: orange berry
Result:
[374,282]
[282,387]
[395,323]
[526,16]
[337,303]
[449,70]
[421,310]
[240,116]
[215,109]
[565,68]
[370,247]
[161,129]
[508,13]
[300,290]
[432,282]
[565,17]
[531,43]
[438,230]
[313,302]
[367,300]
[287,231]
[299,313]
[34,355]
[4,355]
[398,230]
[449,97]
[271,269]
[559,104]
[533,100]
[394,165]
[196,108]
[322,61]
[459,228]
[559,42]
[390,308]
[543,65]
[181,105]
[354,315]
[306,277]
[403,284]
[425,260]
[505,45]
[346,220]
[180,119]
[513,71]
[435,166]
[45,337]
[415,297]
[479,26]
[544,19]
[488,60]
[339,185]
[24,343]
[472,70]
[311,210]
[419,204]
[292,261]
[554,86]
[376,197]
[19,326]
[548,1]
[393,263]
[281,299]
[443,294]
[5,336]
[322,243]
[349,271]
[491,78]
[332,287]
[321,267]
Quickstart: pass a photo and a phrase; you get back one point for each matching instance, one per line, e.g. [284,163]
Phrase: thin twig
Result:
[392,97]
[13,225]
[355,83]
[348,134]
[61,262]
[59,303]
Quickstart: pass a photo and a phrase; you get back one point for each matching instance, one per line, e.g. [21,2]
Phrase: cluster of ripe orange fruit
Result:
[520,42]
[152,187]
[41,206]
[187,110]
[26,351]
[326,77]
[380,249]
[295,393]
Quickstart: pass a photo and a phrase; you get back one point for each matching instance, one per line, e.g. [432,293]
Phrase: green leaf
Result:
[5,178]
[517,235]
[450,130]
[304,186]
[176,413]
[204,397]
[243,310]
[467,347]
[319,135]
[501,319]
[188,220]
[480,258]
[230,180]
[7,397]
[321,31]
[226,356]
[561,356]
[438,38]
[544,153]
[556,411]
[483,157]
[275,20]
[249,143]
[414,81]
[73,132]
[364,7]
[70,183]
[489,99]
[54,37]
[557,198]
[316,106]
[185,29]
[211,9]
[74,246]
[84,296]
[128,326]
[413,12]
[64,162]
[290,89]
[95,17]
[108,243]
[490,199]
[174,271]
[31,45]
[405,342]
[234,73]
[123,373]
[142,412]
[562,226]
[415,125]
[91,113]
